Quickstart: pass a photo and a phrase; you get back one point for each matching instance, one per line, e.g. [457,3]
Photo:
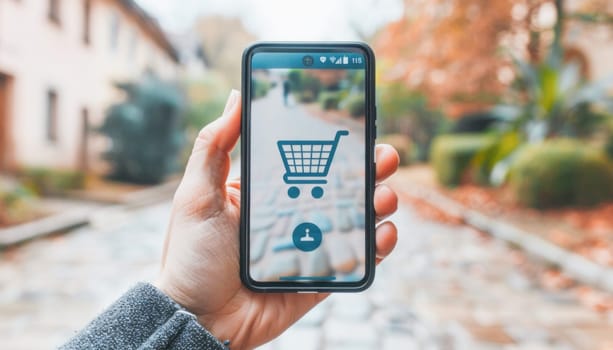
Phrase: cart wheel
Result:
[293,192]
[317,192]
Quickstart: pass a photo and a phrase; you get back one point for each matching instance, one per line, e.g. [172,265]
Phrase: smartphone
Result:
[308,167]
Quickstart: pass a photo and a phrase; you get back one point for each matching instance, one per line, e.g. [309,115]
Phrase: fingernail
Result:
[232,100]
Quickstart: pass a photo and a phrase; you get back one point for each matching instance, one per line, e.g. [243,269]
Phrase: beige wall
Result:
[40,55]
[595,41]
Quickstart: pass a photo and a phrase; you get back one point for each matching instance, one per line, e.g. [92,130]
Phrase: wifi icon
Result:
[332,59]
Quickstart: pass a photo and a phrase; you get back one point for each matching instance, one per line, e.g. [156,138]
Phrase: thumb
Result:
[208,165]
[223,132]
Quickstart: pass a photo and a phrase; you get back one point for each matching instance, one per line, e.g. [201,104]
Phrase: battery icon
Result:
[345,60]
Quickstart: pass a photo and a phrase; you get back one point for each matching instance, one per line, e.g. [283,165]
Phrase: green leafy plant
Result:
[497,155]
[550,100]
[561,172]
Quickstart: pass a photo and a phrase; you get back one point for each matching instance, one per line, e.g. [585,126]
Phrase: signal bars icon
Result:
[337,60]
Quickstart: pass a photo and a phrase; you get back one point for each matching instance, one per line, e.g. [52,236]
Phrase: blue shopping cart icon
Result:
[308,162]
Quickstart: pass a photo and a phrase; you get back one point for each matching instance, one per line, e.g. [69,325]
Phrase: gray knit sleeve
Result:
[144,318]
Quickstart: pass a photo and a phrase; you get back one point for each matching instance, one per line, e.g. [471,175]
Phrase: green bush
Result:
[330,100]
[12,196]
[561,172]
[402,144]
[310,88]
[200,114]
[260,88]
[294,77]
[356,106]
[304,86]
[451,155]
[146,131]
[45,181]
[608,146]
[406,111]
[15,203]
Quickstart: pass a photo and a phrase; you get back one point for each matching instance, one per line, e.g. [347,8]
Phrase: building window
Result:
[114,31]
[53,12]
[87,16]
[52,115]
[84,151]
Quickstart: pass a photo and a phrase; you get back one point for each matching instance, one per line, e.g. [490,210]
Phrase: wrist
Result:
[175,294]
[167,292]
[225,328]
[212,323]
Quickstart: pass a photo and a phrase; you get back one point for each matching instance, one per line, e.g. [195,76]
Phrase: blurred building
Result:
[221,42]
[59,60]
[590,42]
[193,66]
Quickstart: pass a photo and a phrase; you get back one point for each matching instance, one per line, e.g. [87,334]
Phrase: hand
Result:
[200,262]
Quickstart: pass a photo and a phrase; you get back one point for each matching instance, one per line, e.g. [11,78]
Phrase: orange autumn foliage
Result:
[452,49]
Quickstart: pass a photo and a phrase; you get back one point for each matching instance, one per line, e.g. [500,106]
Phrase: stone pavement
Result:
[449,287]
[52,287]
[443,287]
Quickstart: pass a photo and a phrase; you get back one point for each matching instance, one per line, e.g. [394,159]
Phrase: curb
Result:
[43,227]
[575,265]
[150,195]
[64,221]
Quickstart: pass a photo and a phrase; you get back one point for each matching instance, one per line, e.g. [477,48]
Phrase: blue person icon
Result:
[307,236]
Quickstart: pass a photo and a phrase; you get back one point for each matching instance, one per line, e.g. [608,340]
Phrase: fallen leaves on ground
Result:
[555,280]
[587,231]
[594,299]
[430,212]
[491,200]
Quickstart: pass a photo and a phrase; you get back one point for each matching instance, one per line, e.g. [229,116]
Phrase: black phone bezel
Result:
[370,135]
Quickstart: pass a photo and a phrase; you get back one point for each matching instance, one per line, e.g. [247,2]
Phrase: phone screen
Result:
[308,167]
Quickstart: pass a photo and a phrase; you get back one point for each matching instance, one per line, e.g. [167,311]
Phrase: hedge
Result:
[356,106]
[330,100]
[402,144]
[43,181]
[451,155]
[561,172]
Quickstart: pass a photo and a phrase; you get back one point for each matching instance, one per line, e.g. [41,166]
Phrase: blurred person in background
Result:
[286,91]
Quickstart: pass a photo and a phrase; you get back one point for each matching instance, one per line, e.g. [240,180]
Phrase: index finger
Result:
[387,160]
